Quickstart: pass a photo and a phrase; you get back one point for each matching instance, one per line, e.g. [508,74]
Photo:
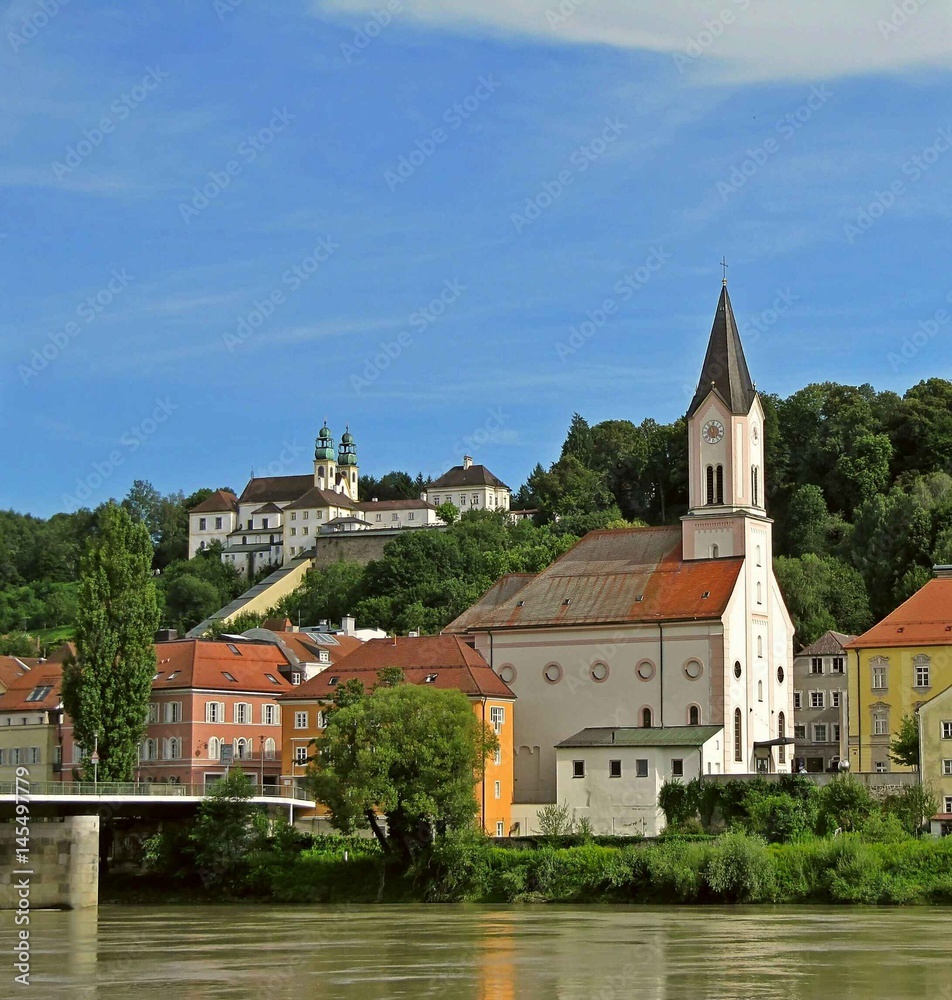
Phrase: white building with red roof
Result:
[658,627]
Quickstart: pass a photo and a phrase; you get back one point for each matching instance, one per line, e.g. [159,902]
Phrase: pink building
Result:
[210,700]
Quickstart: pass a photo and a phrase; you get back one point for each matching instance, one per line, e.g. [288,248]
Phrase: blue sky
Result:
[227,220]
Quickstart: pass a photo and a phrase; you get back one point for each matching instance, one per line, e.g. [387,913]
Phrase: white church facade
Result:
[656,628]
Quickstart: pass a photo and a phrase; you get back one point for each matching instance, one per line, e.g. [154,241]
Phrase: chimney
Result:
[348,625]
[467,461]
[166,635]
[942,572]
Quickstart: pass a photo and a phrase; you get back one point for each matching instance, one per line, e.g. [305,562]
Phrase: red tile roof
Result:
[220,500]
[10,669]
[450,662]
[201,663]
[500,592]
[50,675]
[923,620]
[628,575]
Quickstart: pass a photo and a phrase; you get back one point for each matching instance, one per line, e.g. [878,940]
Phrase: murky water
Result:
[486,953]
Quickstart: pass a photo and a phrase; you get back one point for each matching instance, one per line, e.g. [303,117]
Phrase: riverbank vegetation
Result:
[233,852]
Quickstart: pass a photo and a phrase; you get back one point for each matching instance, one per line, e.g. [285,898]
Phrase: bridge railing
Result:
[143,789]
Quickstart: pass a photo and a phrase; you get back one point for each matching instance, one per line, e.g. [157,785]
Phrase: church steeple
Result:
[725,451]
[725,367]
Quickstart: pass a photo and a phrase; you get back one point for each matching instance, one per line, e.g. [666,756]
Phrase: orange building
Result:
[444,661]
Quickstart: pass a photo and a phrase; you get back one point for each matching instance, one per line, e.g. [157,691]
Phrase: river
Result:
[486,953]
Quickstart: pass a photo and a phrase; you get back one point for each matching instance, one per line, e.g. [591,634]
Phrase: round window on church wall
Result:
[552,673]
[737,670]
[693,670]
[507,672]
[599,672]
[780,675]
[645,670]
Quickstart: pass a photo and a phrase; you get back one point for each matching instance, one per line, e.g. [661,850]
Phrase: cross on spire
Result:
[724,265]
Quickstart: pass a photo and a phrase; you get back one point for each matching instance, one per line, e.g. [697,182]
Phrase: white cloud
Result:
[716,40]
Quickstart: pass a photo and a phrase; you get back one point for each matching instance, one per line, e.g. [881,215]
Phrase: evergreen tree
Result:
[106,687]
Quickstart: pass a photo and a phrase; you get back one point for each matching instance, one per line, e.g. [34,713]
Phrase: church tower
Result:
[349,471]
[325,468]
[726,506]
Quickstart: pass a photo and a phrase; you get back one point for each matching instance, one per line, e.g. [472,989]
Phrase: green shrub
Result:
[739,869]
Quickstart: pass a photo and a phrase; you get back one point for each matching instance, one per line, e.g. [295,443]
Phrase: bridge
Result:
[50,841]
[132,798]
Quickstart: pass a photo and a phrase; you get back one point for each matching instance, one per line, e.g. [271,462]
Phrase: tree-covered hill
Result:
[859,484]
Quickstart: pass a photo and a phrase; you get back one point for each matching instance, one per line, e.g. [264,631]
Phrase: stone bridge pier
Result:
[63,864]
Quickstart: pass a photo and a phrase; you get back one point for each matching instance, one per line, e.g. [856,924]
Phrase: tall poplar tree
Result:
[106,687]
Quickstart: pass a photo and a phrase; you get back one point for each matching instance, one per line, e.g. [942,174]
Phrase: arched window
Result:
[758,556]
[720,484]
[755,485]
[710,484]
[269,749]
[714,551]
[244,539]
[175,748]
[760,690]
[242,748]
[760,594]
[738,737]
[646,718]
[694,716]
[760,645]
[214,748]
[320,471]
[782,732]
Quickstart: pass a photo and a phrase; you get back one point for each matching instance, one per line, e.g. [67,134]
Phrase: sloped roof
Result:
[925,619]
[50,675]
[725,367]
[829,644]
[475,475]
[276,488]
[220,500]
[200,663]
[625,736]
[61,653]
[621,576]
[500,592]
[370,505]
[450,662]
[315,497]
[10,669]
[305,649]
[268,508]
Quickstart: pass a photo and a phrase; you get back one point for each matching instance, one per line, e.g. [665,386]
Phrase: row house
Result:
[213,704]
[445,662]
[821,703]
[31,715]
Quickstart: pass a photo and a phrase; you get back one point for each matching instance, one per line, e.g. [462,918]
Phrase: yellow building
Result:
[897,667]
[935,750]
[443,661]
[31,715]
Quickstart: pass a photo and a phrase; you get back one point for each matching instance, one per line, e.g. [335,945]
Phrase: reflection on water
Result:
[489,953]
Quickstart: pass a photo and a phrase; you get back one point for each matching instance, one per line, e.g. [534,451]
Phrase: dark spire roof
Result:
[725,367]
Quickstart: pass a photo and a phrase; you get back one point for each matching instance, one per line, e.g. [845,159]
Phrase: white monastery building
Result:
[655,628]
[278,518]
